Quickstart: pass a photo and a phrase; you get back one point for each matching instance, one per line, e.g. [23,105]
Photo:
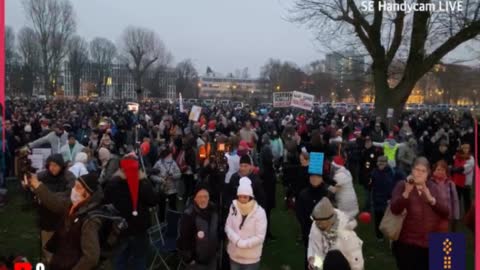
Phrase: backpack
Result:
[112,227]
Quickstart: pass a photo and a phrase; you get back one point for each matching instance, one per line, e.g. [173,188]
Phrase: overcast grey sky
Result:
[223,34]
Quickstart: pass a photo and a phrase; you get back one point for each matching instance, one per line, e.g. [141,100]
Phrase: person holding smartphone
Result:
[425,207]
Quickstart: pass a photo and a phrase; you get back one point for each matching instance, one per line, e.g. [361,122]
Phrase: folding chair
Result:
[163,238]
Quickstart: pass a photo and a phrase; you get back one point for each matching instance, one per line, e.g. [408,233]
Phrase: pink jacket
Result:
[245,244]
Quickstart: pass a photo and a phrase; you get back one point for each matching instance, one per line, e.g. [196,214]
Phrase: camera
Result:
[24,164]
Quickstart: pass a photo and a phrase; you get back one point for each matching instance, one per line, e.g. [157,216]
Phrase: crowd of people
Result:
[222,170]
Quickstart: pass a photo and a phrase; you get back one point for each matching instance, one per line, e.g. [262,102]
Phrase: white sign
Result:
[389,112]
[45,152]
[37,162]
[39,157]
[302,100]
[282,99]
[132,107]
[195,113]
[180,101]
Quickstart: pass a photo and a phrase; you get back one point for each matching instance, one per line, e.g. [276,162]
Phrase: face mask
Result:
[75,197]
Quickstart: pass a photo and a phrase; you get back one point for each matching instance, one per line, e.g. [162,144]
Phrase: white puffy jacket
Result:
[345,195]
[245,244]
[347,242]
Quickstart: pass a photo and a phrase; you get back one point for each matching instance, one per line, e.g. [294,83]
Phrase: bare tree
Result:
[29,50]
[77,59]
[102,52]
[187,77]
[282,76]
[245,74]
[420,38]
[10,53]
[140,49]
[54,23]
[10,56]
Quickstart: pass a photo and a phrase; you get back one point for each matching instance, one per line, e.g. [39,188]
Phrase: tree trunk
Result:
[76,86]
[138,86]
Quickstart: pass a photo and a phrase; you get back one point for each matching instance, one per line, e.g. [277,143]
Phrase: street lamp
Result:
[277,88]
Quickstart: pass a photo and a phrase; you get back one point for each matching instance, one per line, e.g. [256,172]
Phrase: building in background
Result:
[212,87]
[117,83]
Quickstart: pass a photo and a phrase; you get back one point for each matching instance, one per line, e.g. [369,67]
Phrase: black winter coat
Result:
[382,186]
[64,182]
[118,194]
[199,234]
[306,201]
[268,176]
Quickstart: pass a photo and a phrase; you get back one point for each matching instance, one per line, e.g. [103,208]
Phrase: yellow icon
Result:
[447,249]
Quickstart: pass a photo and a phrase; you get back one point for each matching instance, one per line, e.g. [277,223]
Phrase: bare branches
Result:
[102,51]
[140,49]
[54,24]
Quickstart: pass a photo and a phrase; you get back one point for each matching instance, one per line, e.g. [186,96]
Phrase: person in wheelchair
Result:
[199,232]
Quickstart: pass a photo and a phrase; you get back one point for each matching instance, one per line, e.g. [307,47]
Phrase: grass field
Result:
[19,235]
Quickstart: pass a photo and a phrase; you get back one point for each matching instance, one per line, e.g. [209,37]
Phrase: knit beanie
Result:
[245,187]
[323,210]
[130,168]
[245,159]
[89,182]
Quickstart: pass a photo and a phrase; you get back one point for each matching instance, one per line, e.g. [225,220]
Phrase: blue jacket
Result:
[382,187]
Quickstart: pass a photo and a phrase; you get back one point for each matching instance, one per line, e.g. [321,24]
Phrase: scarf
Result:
[330,237]
[246,208]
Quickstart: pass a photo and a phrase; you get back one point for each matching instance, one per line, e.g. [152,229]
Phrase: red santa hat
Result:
[212,125]
[130,167]
[338,161]
[352,137]
[390,137]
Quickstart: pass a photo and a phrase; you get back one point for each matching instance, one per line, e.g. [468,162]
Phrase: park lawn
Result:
[19,236]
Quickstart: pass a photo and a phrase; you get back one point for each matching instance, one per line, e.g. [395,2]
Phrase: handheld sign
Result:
[316,163]
[195,113]
[390,113]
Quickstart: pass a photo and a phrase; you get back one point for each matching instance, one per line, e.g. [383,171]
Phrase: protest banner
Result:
[302,100]
[282,99]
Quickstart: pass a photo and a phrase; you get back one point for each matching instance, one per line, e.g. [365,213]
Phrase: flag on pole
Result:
[180,101]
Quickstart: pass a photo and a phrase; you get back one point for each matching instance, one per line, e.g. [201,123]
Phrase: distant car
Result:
[225,102]
[421,107]
[341,107]
[351,107]
[365,107]
[237,105]
[208,102]
[441,107]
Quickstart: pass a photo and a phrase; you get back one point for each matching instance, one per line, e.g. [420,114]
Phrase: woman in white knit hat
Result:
[246,227]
